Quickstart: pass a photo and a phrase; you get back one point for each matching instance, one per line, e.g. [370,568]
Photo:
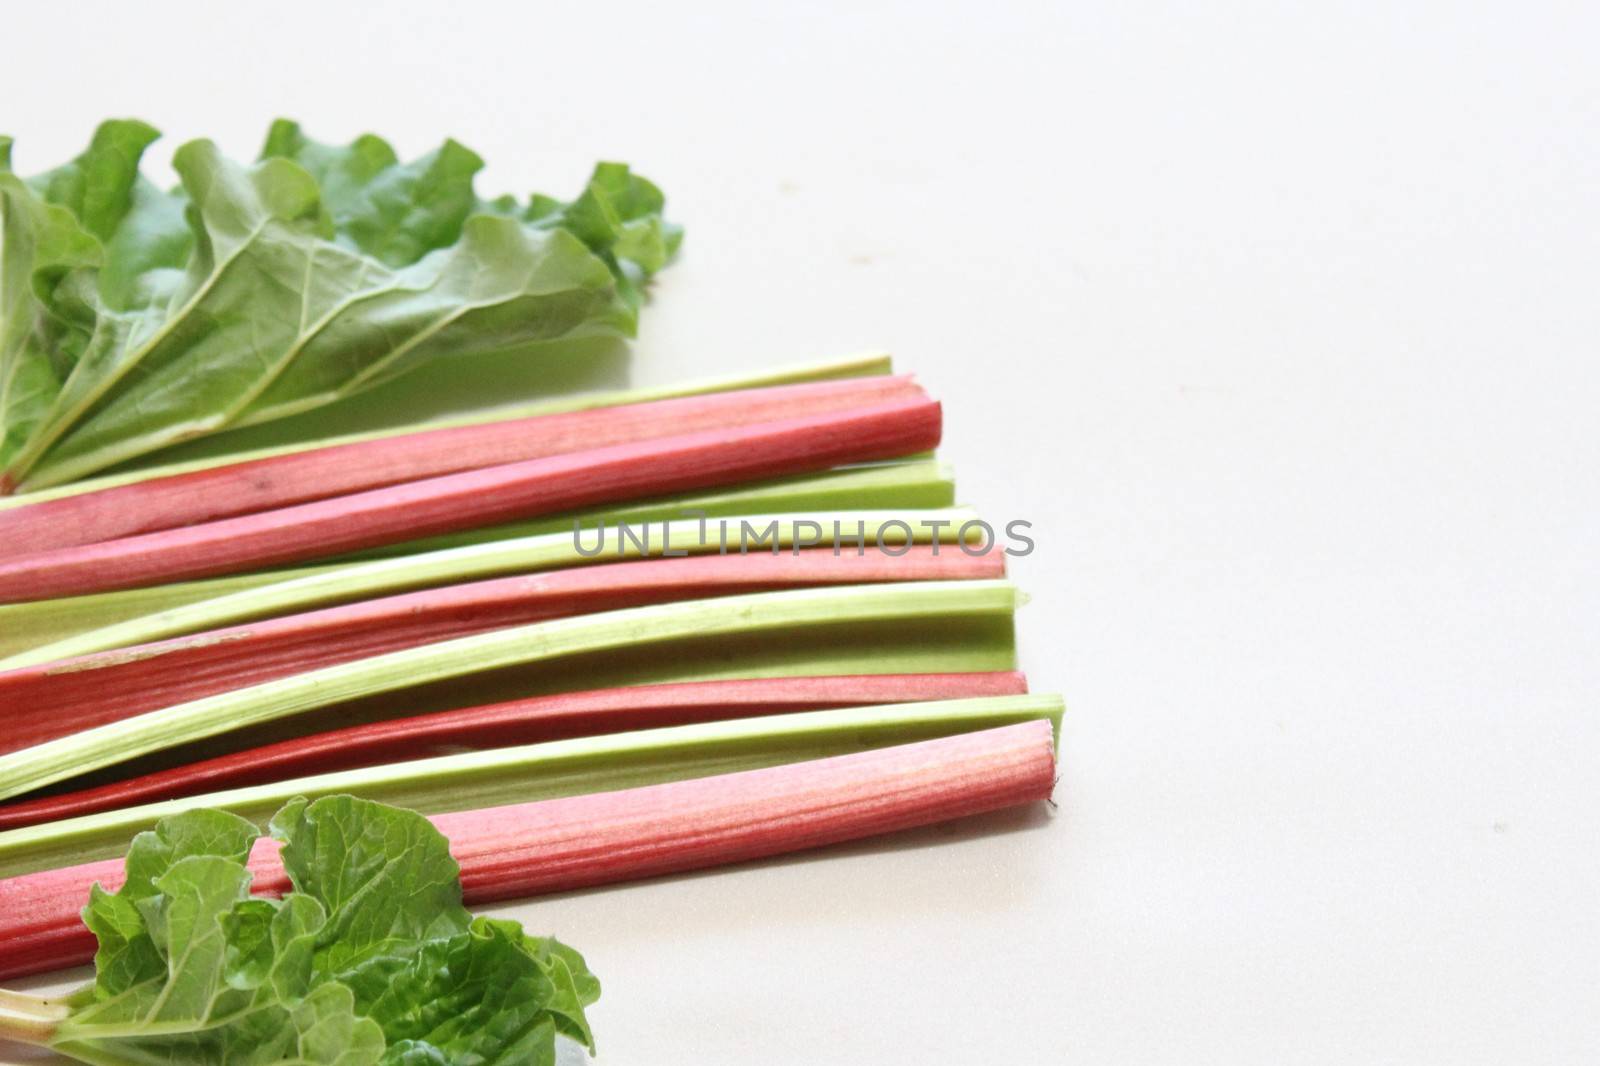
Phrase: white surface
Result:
[1279,324]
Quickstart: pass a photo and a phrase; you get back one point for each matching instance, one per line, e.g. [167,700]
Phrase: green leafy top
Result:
[132,318]
[370,960]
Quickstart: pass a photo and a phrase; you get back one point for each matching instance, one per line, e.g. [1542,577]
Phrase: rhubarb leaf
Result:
[234,984]
[132,318]
[370,960]
[479,996]
[436,979]
[40,246]
[346,854]
[127,956]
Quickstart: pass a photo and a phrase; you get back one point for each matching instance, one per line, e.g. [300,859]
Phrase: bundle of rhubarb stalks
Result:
[625,636]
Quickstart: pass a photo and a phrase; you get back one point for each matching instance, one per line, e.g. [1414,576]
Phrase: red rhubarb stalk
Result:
[55,699]
[475,498]
[603,838]
[300,477]
[525,721]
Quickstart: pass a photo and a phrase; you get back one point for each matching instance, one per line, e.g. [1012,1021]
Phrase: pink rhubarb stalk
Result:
[477,497]
[300,477]
[56,699]
[557,845]
[525,721]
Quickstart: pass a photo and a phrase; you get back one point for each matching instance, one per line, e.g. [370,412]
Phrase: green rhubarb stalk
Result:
[549,770]
[948,643]
[960,644]
[973,643]
[26,626]
[789,374]
[450,566]
[785,612]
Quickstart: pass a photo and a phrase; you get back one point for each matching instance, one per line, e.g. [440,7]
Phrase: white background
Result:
[1279,322]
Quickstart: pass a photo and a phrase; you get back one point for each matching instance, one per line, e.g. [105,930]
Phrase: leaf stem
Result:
[29,1019]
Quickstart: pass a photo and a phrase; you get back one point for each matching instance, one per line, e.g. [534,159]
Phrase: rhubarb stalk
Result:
[557,845]
[42,630]
[285,592]
[60,698]
[897,483]
[548,770]
[209,452]
[515,722]
[264,484]
[476,497]
[787,612]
